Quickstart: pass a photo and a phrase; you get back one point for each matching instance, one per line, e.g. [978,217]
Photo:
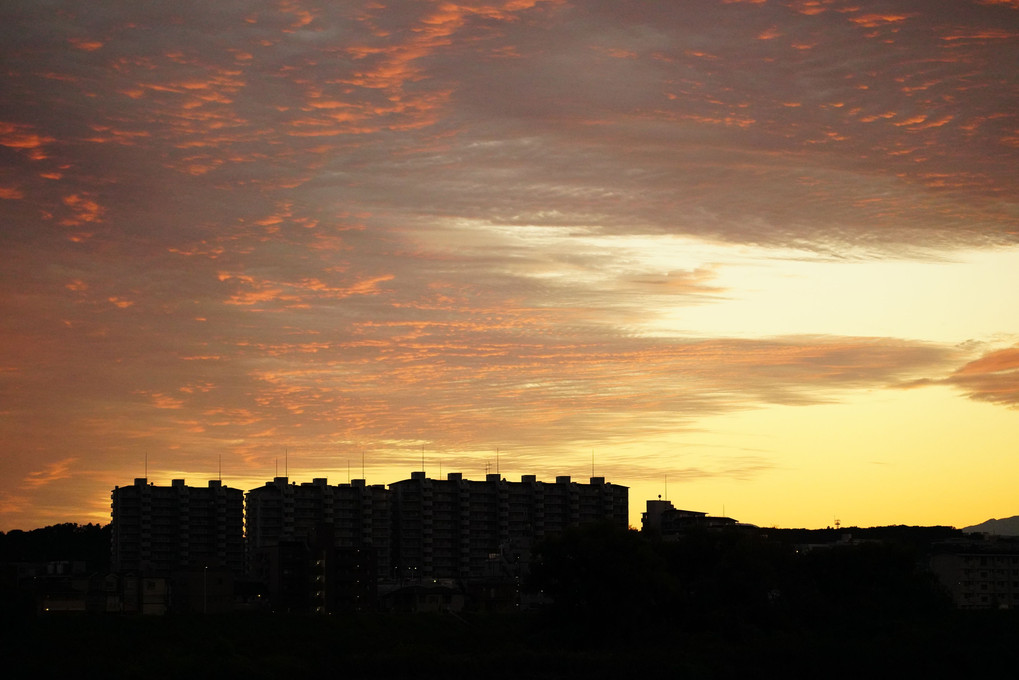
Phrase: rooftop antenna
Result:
[221,468]
[422,458]
[666,487]
[146,465]
[497,461]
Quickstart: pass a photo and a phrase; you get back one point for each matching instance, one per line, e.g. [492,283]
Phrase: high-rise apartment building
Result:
[159,530]
[354,515]
[321,547]
[318,547]
[452,528]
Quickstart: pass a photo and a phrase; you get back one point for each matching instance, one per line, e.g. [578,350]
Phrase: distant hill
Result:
[1000,527]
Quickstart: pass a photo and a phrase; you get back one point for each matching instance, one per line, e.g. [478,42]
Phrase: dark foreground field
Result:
[507,646]
[736,604]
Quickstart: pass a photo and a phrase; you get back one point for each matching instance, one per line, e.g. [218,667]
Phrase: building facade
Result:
[980,572]
[318,547]
[160,530]
[455,528]
[315,513]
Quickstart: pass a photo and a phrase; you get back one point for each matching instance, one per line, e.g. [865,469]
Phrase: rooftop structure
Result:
[663,519]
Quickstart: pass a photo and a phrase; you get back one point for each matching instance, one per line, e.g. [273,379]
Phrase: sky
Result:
[757,257]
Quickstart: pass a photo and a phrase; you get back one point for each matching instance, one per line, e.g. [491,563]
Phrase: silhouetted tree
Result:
[727,578]
[607,582]
[873,581]
[89,543]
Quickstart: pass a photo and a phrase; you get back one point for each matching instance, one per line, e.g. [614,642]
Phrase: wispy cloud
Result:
[52,472]
[994,378]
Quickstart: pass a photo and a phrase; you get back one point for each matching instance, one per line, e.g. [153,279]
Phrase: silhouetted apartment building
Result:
[318,547]
[456,528]
[352,515]
[160,530]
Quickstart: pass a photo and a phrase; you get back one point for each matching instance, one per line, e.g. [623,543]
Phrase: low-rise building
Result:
[981,572]
[663,519]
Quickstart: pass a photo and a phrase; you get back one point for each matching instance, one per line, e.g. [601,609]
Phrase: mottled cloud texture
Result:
[231,227]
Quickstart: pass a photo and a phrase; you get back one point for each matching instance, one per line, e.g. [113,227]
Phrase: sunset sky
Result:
[760,257]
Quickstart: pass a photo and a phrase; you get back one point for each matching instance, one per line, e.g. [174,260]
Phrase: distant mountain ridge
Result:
[1008,526]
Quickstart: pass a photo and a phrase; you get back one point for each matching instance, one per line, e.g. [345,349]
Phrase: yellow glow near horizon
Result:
[926,456]
[922,457]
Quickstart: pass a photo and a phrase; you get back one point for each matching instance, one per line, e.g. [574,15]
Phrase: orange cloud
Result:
[302,16]
[995,362]
[617,53]
[125,137]
[368,286]
[164,401]
[121,302]
[224,417]
[198,387]
[985,34]
[993,378]
[810,7]
[86,44]
[84,210]
[728,121]
[20,137]
[871,119]
[910,121]
[934,123]
[205,250]
[875,20]
[254,291]
[395,66]
[51,473]
[250,298]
